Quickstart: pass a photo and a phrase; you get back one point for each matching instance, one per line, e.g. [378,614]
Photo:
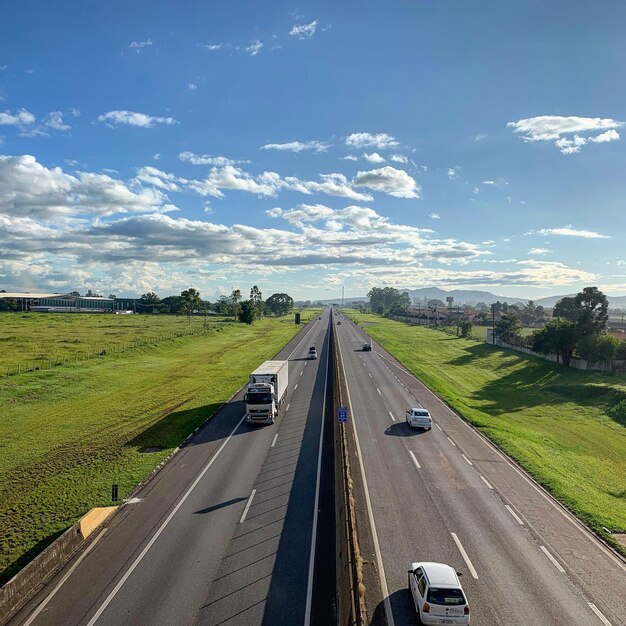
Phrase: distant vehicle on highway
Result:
[266,391]
[437,594]
[419,418]
[312,353]
[367,347]
[338,323]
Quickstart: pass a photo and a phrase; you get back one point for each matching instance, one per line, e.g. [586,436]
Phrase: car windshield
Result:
[312,349]
[260,397]
[446,597]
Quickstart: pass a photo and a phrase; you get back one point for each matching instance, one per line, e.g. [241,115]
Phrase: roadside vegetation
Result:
[566,427]
[69,433]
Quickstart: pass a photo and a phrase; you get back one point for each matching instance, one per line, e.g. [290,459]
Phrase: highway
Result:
[448,495]
[225,533]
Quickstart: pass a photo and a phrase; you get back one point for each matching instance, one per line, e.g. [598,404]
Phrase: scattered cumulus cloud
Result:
[207,159]
[156,156]
[192,86]
[399,158]
[55,121]
[434,216]
[21,117]
[538,251]
[349,157]
[389,180]
[453,172]
[210,46]
[254,48]
[566,132]
[132,118]
[568,231]
[480,137]
[374,157]
[140,45]
[368,140]
[297,146]
[304,31]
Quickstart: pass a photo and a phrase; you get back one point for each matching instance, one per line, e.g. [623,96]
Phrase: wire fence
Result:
[97,352]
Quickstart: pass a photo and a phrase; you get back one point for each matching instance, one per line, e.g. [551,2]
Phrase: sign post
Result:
[342,415]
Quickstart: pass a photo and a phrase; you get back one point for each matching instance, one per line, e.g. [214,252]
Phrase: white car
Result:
[312,353]
[419,418]
[437,594]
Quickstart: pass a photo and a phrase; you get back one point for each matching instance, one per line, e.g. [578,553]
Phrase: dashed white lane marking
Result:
[377,389]
[467,460]
[554,561]
[295,387]
[450,440]
[274,440]
[391,416]
[369,374]
[598,612]
[439,427]
[466,558]
[301,373]
[514,514]
[485,481]
[415,460]
[248,503]
[287,407]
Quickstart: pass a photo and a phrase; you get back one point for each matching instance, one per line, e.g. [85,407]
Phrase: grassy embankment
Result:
[67,434]
[551,419]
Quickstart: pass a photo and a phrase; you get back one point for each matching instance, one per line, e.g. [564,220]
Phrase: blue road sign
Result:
[342,414]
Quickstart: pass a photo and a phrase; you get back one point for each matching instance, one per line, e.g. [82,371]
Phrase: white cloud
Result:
[304,31]
[434,216]
[211,46]
[55,120]
[368,140]
[565,131]
[374,157]
[332,184]
[399,158]
[297,146]
[349,157]
[192,86]
[140,45]
[453,172]
[480,137]
[21,117]
[475,190]
[156,156]
[538,251]
[158,178]
[489,182]
[132,118]
[206,159]
[254,48]
[388,180]
[568,231]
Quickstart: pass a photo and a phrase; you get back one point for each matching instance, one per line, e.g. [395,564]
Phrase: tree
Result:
[235,296]
[566,307]
[593,311]
[247,313]
[279,303]
[257,299]
[558,336]
[436,304]
[466,329]
[620,352]
[481,306]
[9,305]
[148,302]
[171,304]
[597,348]
[190,302]
[508,328]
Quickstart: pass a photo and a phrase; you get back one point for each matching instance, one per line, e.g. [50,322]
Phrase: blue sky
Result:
[146,146]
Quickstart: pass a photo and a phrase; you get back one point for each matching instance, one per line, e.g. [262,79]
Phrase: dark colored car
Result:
[367,347]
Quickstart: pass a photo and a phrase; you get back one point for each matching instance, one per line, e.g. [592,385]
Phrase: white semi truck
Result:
[266,391]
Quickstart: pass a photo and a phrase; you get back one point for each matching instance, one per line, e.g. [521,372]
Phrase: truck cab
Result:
[260,403]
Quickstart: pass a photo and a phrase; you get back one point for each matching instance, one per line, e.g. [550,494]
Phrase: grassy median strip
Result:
[556,422]
[67,434]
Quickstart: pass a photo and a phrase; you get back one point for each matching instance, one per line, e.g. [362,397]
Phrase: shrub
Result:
[618,412]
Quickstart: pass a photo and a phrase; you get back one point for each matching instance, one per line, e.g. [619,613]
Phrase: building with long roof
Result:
[60,302]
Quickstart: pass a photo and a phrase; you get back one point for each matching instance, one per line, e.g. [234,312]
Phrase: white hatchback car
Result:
[419,418]
[438,595]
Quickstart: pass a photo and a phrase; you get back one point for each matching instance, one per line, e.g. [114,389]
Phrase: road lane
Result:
[419,511]
[208,565]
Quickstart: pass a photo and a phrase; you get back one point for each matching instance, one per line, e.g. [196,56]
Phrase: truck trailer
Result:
[267,388]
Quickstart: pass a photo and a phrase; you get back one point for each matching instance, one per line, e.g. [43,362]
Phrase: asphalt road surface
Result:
[448,495]
[224,533]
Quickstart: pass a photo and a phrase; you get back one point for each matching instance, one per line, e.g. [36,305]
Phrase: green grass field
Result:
[67,434]
[551,419]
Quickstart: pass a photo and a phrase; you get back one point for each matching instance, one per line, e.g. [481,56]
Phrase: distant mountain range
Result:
[462,296]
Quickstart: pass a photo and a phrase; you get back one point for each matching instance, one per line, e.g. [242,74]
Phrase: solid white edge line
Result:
[391,416]
[450,440]
[370,514]
[439,427]
[309,589]
[162,527]
[552,559]
[466,558]
[274,440]
[514,514]
[248,504]
[467,460]
[599,614]
[485,481]
[42,606]
[377,389]
[415,460]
